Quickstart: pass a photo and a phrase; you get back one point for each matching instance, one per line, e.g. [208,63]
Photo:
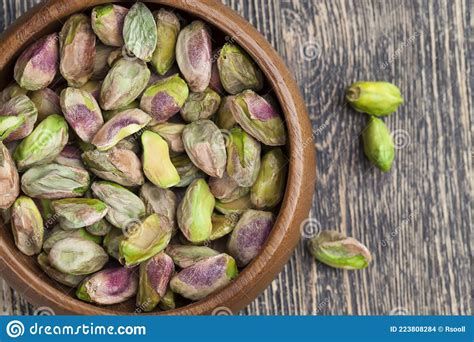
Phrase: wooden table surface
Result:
[417,219]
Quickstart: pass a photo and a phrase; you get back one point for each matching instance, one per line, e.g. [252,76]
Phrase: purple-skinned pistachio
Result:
[100,228]
[237,206]
[27,226]
[125,208]
[9,124]
[243,157]
[44,144]
[20,105]
[160,201]
[11,91]
[81,112]
[46,102]
[9,178]
[186,255]
[249,236]
[193,55]
[37,66]
[124,83]
[77,256]
[155,274]
[226,189]
[77,47]
[70,156]
[187,171]
[172,133]
[157,165]
[110,286]
[237,71]
[205,277]
[224,117]
[195,211]
[119,127]
[258,118]
[145,239]
[76,213]
[205,146]
[54,181]
[164,98]
[101,65]
[93,88]
[57,234]
[118,165]
[167,27]
[337,250]
[62,278]
[139,32]
[107,23]
[223,225]
[268,189]
[200,105]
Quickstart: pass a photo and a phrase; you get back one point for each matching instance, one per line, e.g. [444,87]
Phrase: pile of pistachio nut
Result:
[136,161]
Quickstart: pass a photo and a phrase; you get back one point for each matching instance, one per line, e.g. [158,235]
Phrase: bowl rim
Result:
[301,173]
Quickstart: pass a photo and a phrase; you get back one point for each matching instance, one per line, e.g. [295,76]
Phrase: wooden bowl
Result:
[24,274]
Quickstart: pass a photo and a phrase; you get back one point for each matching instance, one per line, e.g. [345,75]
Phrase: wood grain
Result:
[417,219]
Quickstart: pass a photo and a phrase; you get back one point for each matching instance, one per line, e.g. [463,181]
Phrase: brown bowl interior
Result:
[24,274]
